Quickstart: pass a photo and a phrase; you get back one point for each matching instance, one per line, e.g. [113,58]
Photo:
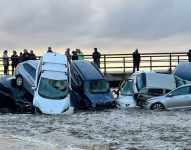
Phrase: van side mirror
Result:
[169,95]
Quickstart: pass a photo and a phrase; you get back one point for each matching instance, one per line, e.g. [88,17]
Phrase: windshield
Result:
[96,86]
[127,88]
[53,89]
[21,93]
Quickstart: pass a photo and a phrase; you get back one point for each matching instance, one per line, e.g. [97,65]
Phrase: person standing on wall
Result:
[189,55]
[14,59]
[96,57]
[5,62]
[136,60]
[80,55]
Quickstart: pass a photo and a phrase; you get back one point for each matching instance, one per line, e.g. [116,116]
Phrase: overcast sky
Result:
[113,26]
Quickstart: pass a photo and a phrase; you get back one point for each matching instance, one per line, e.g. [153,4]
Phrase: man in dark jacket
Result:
[189,55]
[136,60]
[74,56]
[49,50]
[14,59]
[26,55]
[96,57]
[32,55]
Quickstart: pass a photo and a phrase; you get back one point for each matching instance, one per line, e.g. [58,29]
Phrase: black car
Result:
[90,89]
[13,97]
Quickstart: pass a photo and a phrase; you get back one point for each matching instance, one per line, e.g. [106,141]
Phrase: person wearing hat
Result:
[136,60]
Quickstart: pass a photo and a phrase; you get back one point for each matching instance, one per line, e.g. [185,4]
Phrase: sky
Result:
[113,26]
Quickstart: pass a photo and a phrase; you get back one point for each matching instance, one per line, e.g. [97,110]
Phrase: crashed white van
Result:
[130,88]
[51,85]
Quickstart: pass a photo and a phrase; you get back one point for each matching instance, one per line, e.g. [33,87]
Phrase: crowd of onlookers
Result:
[15,59]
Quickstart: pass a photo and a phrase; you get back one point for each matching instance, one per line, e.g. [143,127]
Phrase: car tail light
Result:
[136,95]
[18,66]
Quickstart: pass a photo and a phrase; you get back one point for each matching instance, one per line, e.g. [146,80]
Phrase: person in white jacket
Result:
[6,62]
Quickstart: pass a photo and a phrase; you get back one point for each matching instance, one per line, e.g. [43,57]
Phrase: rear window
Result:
[155,92]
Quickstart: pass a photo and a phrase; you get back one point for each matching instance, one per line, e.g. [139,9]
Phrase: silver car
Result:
[25,73]
[176,99]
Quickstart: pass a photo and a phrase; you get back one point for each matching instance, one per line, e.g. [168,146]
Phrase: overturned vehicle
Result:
[130,92]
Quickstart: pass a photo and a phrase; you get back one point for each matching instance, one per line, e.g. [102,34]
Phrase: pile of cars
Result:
[57,87]
[54,86]
[150,90]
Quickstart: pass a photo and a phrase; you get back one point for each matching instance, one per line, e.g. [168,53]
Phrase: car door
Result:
[179,98]
[30,76]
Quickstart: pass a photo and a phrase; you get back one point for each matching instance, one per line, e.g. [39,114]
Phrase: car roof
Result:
[33,62]
[55,58]
[6,80]
[87,70]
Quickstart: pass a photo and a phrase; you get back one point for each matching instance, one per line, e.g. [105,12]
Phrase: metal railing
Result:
[124,62]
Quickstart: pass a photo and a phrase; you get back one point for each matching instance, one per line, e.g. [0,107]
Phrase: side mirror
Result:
[169,95]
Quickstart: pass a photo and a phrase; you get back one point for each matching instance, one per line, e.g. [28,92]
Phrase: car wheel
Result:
[19,80]
[157,106]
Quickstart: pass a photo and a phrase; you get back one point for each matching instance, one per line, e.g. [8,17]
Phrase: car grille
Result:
[105,105]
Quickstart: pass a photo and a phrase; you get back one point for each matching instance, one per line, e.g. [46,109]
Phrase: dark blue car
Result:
[90,89]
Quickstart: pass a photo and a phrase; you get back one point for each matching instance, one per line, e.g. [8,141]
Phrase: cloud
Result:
[108,25]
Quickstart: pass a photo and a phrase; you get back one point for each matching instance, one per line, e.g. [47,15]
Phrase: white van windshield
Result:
[127,88]
[53,89]
[96,86]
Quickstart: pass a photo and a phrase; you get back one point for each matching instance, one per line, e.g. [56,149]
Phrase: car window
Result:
[76,76]
[155,92]
[140,81]
[179,81]
[127,88]
[28,67]
[6,90]
[33,74]
[181,91]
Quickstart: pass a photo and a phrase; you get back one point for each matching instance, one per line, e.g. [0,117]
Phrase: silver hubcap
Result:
[19,81]
[158,106]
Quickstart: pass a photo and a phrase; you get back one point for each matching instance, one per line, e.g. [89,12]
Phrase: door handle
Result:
[186,97]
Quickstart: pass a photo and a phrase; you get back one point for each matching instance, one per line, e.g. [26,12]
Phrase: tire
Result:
[157,106]
[19,81]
